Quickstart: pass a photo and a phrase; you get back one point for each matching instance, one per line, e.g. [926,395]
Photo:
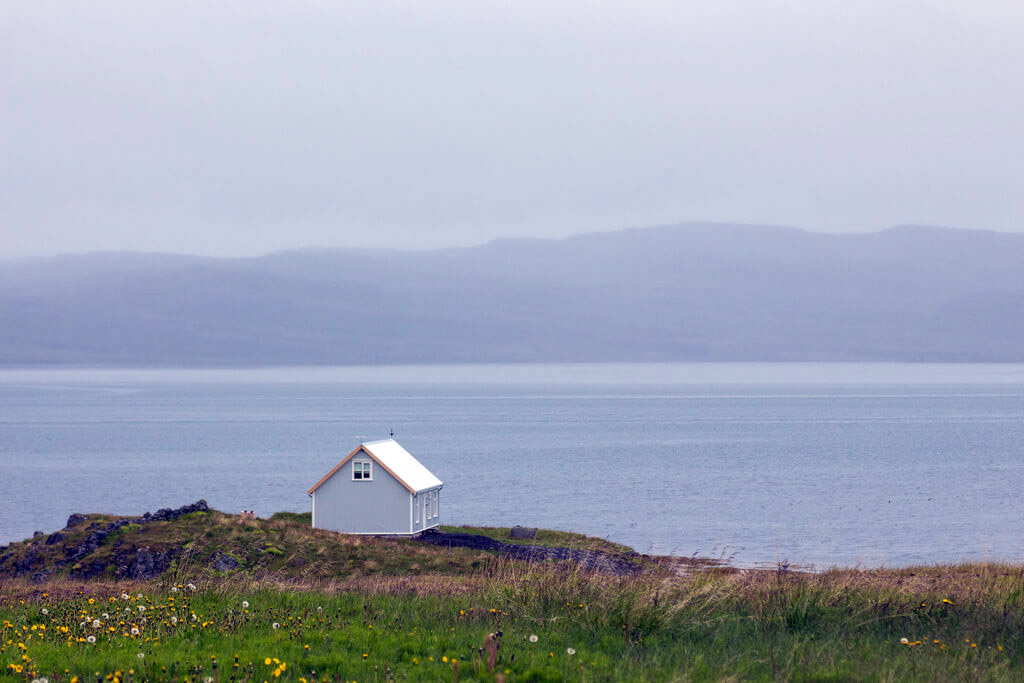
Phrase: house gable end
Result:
[347,458]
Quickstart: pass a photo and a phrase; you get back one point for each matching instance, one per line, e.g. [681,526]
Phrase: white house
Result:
[378,488]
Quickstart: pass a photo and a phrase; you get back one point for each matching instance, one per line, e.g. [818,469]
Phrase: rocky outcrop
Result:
[167,514]
[223,562]
[90,570]
[74,520]
[74,553]
[522,532]
[148,563]
[29,561]
[136,563]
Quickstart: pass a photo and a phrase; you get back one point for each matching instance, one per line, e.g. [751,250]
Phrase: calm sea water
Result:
[822,464]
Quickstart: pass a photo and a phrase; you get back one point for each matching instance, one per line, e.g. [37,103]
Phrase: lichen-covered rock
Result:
[166,514]
[148,563]
[223,562]
[74,520]
[91,570]
[141,563]
[91,543]
[522,532]
[32,559]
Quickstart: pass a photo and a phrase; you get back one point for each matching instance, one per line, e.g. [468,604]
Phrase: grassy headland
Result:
[376,609]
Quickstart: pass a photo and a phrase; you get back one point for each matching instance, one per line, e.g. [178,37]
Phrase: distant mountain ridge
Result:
[697,291]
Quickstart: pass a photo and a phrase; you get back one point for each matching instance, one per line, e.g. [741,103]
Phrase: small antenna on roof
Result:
[391,434]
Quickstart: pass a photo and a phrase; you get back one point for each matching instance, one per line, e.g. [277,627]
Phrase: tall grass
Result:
[959,622]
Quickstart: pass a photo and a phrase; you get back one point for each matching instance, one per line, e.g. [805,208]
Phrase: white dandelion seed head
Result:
[533,638]
[904,641]
[106,616]
[135,630]
[91,639]
[124,596]
[45,611]
[245,604]
[191,586]
[194,617]
[139,596]
[275,625]
[127,610]
[569,651]
[140,655]
[95,623]
[319,609]
[174,620]
[142,608]
[208,679]
[174,589]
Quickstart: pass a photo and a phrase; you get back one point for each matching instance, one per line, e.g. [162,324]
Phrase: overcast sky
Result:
[240,128]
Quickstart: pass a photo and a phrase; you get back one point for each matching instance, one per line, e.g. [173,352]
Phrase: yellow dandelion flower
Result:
[266,661]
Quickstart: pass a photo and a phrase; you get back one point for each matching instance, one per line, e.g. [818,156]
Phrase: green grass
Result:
[964,622]
[407,606]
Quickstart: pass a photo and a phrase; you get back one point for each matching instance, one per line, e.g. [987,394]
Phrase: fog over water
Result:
[238,128]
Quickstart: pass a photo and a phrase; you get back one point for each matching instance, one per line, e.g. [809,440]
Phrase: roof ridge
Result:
[370,443]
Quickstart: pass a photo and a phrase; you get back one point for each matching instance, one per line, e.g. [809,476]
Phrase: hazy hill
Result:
[687,292]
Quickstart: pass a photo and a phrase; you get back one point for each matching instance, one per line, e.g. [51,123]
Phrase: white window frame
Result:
[364,468]
[437,507]
[416,508]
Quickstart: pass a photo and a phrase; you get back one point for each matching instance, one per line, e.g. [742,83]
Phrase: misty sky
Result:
[243,127]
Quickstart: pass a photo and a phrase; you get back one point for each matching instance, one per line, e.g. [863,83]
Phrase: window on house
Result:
[437,508]
[361,469]
[416,507]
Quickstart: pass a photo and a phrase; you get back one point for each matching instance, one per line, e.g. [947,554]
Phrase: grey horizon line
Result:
[494,240]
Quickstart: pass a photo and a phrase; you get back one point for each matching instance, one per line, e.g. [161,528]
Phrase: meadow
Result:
[308,605]
[516,622]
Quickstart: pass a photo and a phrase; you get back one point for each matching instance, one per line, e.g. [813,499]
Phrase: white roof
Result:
[400,463]
[395,459]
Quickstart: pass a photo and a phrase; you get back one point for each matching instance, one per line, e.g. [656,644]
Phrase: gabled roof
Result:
[397,461]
